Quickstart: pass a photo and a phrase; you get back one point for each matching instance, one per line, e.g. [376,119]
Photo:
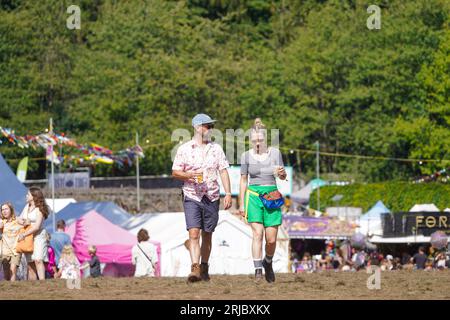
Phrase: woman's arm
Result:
[242,189]
[34,227]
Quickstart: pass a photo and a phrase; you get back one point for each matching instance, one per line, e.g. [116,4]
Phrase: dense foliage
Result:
[308,67]
[397,196]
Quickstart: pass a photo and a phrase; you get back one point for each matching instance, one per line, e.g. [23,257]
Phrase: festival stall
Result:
[113,243]
[74,211]
[371,222]
[231,244]
[299,227]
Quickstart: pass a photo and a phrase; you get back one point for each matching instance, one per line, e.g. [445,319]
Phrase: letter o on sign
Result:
[430,222]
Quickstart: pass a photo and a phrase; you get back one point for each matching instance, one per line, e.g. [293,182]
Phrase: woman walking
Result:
[260,201]
[34,214]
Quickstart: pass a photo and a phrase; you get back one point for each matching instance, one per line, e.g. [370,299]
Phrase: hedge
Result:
[396,196]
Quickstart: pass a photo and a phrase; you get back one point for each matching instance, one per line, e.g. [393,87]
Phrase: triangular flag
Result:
[22,170]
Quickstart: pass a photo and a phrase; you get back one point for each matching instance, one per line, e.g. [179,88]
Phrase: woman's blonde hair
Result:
[68,254]
[258,128]
[258,125]
[11,208]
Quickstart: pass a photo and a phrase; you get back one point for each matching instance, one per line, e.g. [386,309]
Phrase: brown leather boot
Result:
[194,276]
[204,272]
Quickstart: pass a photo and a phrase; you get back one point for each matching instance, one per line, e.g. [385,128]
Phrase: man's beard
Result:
[206,137]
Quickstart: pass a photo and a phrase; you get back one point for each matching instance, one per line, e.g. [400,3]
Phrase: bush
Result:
[397,196]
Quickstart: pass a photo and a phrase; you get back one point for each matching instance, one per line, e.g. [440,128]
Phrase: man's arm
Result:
[226,185]
[185,175]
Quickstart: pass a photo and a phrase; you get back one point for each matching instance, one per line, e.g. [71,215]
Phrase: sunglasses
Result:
[209,126]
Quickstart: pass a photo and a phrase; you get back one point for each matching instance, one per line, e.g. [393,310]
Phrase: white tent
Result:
[427,207]
[408,239]
[447,210]
[231,244]
[371,221]
[60,203]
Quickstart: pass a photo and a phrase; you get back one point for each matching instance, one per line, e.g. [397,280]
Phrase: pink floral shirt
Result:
[210,158]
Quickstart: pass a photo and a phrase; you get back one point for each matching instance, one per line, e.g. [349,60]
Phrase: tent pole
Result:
[137,177]
[317,174]
[53,177]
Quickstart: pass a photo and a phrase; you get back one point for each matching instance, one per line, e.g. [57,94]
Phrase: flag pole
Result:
[137,177]
[53,176]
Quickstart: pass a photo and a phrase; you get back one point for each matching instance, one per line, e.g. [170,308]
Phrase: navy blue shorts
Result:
[203,215]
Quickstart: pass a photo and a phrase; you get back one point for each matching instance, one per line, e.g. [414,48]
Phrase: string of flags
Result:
[443,174]
[90,153]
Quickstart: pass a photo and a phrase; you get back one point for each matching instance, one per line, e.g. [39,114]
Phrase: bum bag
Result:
[270,200]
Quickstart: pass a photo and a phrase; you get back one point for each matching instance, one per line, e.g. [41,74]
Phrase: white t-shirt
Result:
[143,266]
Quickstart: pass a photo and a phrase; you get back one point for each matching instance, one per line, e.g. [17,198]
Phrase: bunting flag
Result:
[92,152]
[52,158]
[22,170]
[443,174]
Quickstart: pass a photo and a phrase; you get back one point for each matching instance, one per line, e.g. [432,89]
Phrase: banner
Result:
[22,170]
[400,224]
[304,227]
[92,152]
[77,180]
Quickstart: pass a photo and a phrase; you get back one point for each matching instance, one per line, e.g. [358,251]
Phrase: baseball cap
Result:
[200,119]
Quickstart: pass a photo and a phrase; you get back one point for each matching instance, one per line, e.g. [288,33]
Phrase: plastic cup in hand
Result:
[199,177]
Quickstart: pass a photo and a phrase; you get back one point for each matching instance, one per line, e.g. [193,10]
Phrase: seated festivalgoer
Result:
[306,265]
[441,262]
[429,265]
[396,264]
[347,266]
[420,259]
[68,266]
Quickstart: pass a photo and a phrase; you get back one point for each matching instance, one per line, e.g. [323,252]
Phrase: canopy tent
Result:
[113,243]
[407,239]
[299,227]
[371,222]
[11,189]
[231,244]
[74,211]
[447,210]
[427,207]
[60,203]
[302,195]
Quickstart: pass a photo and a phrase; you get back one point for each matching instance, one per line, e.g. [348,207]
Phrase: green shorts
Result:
[255,210]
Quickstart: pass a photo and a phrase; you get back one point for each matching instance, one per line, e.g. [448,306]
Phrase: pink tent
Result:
[113,243]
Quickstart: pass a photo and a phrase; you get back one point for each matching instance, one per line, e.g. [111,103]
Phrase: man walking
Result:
[197,163]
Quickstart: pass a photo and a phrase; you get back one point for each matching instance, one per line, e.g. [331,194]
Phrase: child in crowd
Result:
[50,265]
[94,263]
[69,266]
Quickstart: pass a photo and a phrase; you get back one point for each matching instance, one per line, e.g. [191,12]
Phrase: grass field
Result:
[326,285]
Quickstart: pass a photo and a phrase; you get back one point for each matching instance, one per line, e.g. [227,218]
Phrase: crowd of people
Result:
[348,258]
[24,241]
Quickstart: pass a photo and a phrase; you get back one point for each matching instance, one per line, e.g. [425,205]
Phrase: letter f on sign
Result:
[74,20]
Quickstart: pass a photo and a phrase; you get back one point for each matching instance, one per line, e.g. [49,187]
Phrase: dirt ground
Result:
[325,285]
